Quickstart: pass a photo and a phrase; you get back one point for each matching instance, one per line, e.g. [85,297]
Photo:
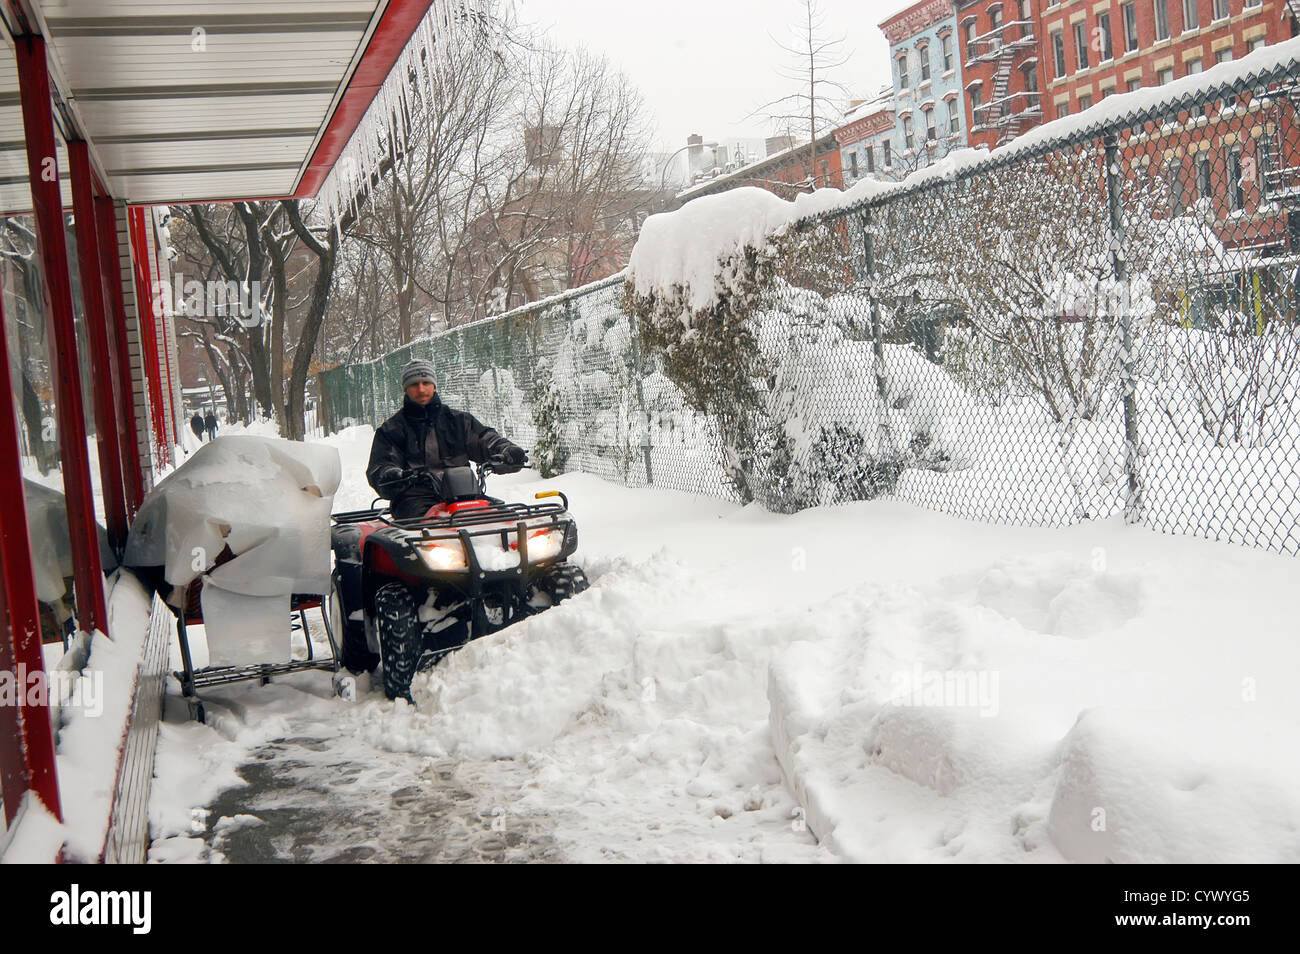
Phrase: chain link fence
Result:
[1099,320]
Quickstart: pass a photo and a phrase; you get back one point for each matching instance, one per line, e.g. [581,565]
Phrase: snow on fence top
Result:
[691,246]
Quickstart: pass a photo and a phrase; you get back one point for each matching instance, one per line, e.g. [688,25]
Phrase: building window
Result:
[968,31]
[1255,44]
[1164,76]
[954,117]
[887,150]
[909,139]
[871,158]
[1162,19]
[1031,78]
[902,72]
[1224,55]
[930,131]
[1264,152]
[1103,34]
[1252,3]
[1202,177]
[1085,101]
[1062,109]
[945,48]
[995,24]
[1194,66]
[1130,26]
[1081,44]
[1221,11]
[1191,15]
[1174,176]
[1236,195]
[1058,53]
[976,98]
[853,163]
[924,54]
[1135,84]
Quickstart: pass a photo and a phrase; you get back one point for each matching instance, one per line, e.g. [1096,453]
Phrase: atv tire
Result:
[401,638]
[563,581]
[354,651]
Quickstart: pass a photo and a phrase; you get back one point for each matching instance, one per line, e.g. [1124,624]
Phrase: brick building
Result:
[929,116]
[786,172]
[866,138]
[1000,54]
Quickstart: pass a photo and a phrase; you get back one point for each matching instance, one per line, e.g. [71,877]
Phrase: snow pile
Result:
[268,501]
[1089,711]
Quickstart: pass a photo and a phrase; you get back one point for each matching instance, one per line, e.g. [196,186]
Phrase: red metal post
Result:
[115,308]
[47,209]
[147,310]
[92,294]
[26,736]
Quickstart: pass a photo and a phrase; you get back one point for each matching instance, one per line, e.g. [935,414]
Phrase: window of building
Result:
[995,24]
[1264,152]
[1031,78]
[1255,44]
[903,78]
[871,158]
[1174,176]
[1129,10]
[1103,36]
[954,117]
[1081,44]
[1224,55]
[853,163]
[887,149]
[930,131]
[968,37]
[1162,19]
[1191,15]
[1194,65]
[1236,194]
[909,138]
[1063,109]
[976,100]
[1221,10]
[1202,177]
[1164,76]
[1252,3]
[1085,101]
[945,49]
[1134,84]
[1058,53]
[924,54]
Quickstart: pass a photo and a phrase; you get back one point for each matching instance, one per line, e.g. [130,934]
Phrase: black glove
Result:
[509,460]
[424,478]
[393,481]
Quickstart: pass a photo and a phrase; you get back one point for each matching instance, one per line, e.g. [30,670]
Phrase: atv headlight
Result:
[546,546]
[442,556]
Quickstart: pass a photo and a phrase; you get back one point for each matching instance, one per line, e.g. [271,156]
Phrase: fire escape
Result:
[1006,111]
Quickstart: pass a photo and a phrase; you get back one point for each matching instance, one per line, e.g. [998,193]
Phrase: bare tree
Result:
[814,55]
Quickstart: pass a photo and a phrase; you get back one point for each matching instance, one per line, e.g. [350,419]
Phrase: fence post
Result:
[496,388]
[640,396]
[1128,381]
[877,331]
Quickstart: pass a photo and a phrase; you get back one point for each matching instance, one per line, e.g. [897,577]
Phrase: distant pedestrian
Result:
[210,423]
[197,425]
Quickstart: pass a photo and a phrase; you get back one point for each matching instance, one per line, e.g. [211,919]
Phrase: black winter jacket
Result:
[425,438]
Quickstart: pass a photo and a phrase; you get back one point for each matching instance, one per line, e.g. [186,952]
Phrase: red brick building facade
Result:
[999,44]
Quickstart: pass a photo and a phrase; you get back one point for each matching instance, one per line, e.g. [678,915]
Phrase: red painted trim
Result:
[26,736]
[115,305]
[92,295]
[393,32]
[168,381]
[47,209]
[146,310]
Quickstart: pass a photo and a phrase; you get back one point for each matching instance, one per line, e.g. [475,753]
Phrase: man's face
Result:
[421,392]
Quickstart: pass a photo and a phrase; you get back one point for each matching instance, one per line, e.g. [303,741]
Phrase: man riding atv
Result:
[425,436]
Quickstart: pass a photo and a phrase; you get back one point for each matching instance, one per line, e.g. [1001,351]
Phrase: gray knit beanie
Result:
[417,369]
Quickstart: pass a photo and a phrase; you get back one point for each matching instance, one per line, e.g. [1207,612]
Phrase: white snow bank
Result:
[1048,708]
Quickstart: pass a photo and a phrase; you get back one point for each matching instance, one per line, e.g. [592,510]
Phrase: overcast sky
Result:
[703,65]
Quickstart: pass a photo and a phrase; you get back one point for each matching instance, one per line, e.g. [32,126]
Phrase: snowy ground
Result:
[866,682]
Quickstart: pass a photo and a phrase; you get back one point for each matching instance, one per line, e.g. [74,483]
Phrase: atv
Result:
[406,592]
